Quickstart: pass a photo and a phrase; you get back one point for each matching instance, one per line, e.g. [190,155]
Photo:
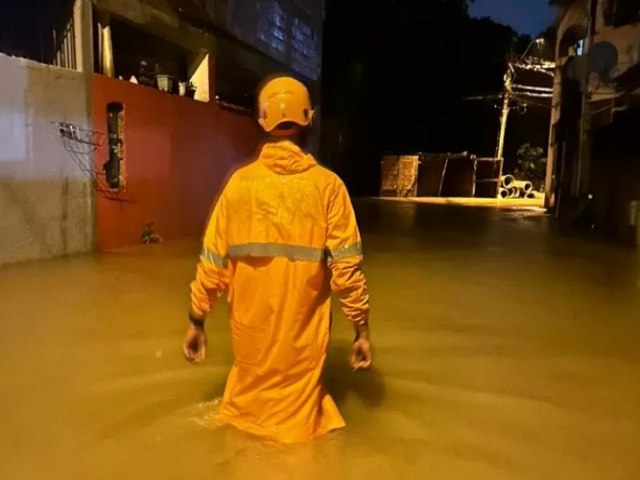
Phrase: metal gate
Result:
[399,176]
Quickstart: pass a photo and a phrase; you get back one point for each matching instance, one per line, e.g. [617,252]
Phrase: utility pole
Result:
[507,94]
[506,101]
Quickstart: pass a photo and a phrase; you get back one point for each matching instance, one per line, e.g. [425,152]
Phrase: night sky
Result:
[525,16]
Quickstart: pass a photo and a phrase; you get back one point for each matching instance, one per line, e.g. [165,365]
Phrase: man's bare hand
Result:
[361,353]
[194,346]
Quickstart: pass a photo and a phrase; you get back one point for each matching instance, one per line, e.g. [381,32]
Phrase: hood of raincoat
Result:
[286,158]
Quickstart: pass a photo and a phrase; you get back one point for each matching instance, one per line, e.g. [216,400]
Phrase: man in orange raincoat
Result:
[281,238]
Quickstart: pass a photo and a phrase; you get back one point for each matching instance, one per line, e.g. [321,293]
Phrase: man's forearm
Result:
[362,331]
[350,285]
[197,320]
[209,284]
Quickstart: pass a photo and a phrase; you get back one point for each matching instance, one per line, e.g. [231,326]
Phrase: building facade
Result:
[46,202]
[593,175]
[122,114]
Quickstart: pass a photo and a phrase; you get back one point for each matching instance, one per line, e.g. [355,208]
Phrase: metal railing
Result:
[65,46]
[40,30]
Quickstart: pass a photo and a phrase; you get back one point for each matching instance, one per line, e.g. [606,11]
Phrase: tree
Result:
[532,165]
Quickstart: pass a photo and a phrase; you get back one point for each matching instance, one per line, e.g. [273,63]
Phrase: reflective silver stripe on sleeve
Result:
[214,258]
[272,250]
[342,253]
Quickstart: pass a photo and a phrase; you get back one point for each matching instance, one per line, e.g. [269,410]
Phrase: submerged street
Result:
[504,350]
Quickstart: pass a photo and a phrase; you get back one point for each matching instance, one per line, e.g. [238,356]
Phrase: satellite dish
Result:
[603,58]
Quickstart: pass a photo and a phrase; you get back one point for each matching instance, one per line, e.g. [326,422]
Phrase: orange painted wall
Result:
[178,153]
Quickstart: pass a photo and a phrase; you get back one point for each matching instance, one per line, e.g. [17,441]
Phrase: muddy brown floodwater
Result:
[505,351]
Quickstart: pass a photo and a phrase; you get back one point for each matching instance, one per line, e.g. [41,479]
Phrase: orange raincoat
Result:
[282,235]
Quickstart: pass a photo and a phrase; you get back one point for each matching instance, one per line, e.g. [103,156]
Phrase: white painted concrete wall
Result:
[45,199]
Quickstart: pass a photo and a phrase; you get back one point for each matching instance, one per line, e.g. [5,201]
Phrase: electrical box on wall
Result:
[114,167]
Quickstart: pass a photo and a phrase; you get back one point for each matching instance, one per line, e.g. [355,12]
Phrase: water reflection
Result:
[503,351]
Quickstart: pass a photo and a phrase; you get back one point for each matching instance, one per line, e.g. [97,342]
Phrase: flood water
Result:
[504,350]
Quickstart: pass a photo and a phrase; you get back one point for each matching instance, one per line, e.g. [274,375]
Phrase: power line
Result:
[535,95]
[533,88]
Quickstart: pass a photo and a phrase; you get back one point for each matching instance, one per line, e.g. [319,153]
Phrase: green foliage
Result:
[532,165]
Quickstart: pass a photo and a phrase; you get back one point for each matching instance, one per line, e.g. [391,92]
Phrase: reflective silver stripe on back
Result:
[342,253]
[214,258]
[272,250]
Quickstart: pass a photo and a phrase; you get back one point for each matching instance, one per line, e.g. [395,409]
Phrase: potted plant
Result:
[165,82]
[146,76]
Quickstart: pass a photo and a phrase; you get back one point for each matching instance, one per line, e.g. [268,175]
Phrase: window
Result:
[40,30]
[305,47]
[272,26]
[572,41]
[619,13]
